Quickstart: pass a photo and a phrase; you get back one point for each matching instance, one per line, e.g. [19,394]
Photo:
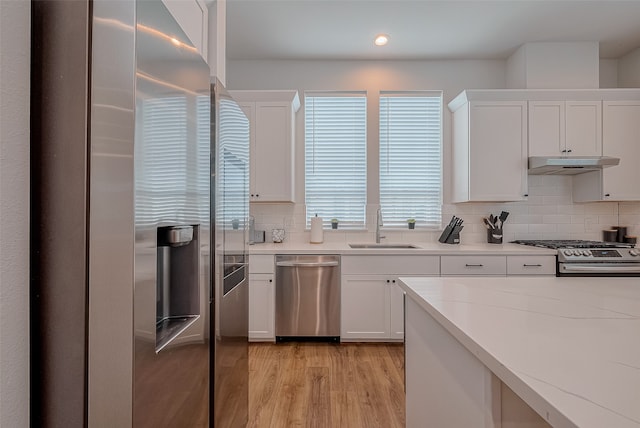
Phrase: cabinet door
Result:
[396,305]
[249,109]
[261,307]
[498,151]
[531,265]
[570,128]
[193,18]
[473,265]
[272,180]
[365,307]
[583,128]
[621,139]
[546,128]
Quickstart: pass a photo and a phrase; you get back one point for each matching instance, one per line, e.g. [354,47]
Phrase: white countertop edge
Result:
[545,409]
[522,384]
[425,248]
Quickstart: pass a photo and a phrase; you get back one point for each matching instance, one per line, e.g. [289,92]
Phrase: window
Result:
[410,158]
[172,159]
[161,159]
[336,157]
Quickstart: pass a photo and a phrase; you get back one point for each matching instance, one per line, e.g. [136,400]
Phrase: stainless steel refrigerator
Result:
[139,195]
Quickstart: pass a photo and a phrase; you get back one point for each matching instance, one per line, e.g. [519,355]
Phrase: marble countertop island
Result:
[569,347]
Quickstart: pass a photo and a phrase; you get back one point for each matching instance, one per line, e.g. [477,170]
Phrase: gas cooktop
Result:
[571,243]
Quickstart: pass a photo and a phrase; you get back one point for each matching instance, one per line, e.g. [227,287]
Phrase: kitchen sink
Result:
[383,246]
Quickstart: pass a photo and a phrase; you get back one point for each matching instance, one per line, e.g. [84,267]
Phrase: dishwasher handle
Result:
[307,264]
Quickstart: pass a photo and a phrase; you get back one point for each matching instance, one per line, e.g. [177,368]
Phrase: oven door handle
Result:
[609,268]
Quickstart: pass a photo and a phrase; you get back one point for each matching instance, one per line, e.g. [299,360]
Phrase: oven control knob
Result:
[587,253]
[634,253]
[568,252]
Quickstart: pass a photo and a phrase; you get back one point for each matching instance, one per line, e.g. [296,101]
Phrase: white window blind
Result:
[233,163]
[172,152]
[161,160]
[410,158]
[336,157]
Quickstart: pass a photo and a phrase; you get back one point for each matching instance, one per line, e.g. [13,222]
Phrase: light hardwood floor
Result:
[326,385]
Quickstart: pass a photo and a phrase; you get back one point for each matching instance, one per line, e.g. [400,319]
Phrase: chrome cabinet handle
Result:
[469,265]
[536,265]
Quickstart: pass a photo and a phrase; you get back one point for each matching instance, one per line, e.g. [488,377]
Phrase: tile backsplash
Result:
[549,213]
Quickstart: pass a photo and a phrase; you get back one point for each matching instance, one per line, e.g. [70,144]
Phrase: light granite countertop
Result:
[424,248]
[569,347]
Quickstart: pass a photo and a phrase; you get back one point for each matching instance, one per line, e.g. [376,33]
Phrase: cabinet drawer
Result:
[391,265]
[473,265]
[531,265]
[261,263]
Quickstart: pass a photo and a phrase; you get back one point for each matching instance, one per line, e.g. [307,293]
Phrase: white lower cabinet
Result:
[473,265]
[261,298]
[372,303]
[531,265]
[497,265]
[396,317]
[366,309]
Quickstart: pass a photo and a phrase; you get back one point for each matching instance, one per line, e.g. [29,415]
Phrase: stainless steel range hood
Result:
[548,165]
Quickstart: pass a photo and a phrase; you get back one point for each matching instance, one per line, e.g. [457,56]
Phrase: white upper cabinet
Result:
[565,128]
[621,139]
[272,121]
[193,18]
[490,151]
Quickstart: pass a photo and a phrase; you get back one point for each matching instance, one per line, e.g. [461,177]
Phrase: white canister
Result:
[317,233]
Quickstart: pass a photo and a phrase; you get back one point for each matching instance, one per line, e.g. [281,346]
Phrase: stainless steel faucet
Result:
[378,224]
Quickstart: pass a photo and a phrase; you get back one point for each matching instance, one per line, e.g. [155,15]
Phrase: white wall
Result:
[629,70]
[557,65]
[549,213]
[609,73]
[14,212]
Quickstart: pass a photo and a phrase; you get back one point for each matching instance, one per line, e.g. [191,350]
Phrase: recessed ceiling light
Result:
[381,39]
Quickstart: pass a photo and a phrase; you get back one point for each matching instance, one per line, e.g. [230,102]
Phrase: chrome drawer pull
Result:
[468,265]
[536,265]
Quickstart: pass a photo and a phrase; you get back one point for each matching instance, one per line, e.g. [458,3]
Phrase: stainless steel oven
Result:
[592,258]
[599,262]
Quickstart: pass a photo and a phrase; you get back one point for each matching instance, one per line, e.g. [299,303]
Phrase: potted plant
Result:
[334,223]
[411,223]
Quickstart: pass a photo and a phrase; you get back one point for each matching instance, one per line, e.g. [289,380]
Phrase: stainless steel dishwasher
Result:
[308,297]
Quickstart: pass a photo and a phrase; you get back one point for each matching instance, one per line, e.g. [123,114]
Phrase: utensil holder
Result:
[494,236]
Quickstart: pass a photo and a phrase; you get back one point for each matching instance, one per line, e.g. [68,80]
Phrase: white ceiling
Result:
[424,29]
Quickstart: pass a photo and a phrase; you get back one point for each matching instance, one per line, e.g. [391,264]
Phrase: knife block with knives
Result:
[451,233]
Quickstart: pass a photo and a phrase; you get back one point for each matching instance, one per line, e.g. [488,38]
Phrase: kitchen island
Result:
[503,351]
